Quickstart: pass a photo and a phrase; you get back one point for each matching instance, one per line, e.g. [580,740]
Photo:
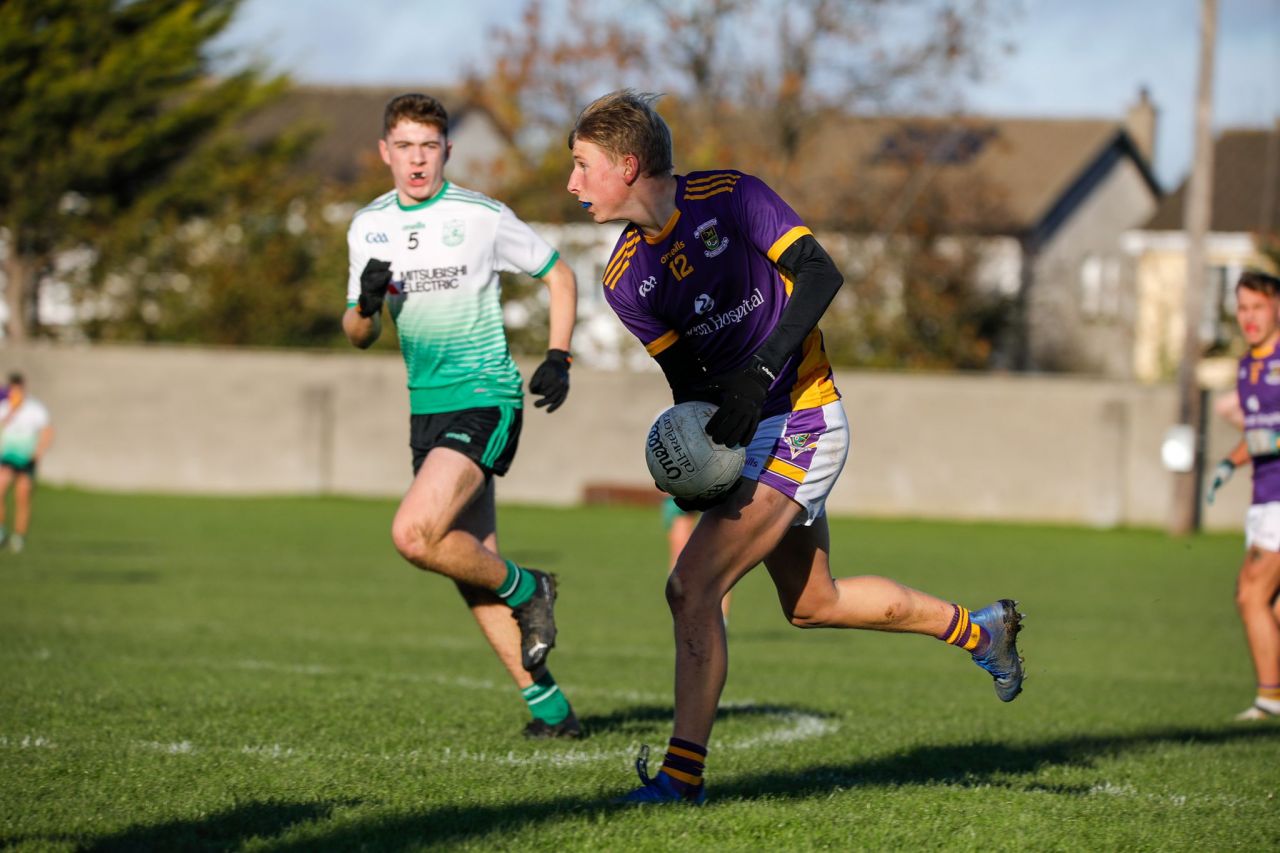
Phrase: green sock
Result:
[518,587]
[545,700]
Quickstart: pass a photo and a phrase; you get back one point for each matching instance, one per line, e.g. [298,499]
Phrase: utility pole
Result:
[1186,486]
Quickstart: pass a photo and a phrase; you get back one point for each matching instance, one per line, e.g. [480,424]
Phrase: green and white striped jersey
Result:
[445,255]
[20,429]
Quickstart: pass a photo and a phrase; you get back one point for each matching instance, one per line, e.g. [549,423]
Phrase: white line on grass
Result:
[27,742]
[795,726]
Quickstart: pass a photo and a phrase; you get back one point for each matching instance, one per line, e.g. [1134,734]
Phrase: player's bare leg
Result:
[677,537]
[491,614]
[425,528]
[6,480]
[812,598]
[22,489]
[727,543]
[426,532]
[1256,589]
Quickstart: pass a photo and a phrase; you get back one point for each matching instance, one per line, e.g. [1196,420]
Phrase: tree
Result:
[108,113]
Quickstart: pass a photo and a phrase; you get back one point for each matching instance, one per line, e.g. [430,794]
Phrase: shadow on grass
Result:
[225,830]
[969,765]
[641,719]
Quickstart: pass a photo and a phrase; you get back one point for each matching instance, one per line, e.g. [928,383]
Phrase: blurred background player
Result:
[433,251]
[1258,390]
[26,433]
[724,285]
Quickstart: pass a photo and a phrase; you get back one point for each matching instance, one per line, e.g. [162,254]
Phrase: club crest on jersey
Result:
[455,231]
[1273,373]
[715,244]
[800,443]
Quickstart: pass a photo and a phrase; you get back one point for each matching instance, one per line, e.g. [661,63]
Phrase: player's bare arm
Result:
[361,331]
[562,287]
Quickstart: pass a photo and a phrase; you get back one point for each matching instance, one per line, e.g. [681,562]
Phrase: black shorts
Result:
[28,467]
[486,436]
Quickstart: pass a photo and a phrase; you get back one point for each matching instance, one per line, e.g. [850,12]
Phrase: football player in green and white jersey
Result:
[432,252]
[25,435]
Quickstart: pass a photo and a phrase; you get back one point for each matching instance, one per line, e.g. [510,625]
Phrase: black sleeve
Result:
[684,371]
[816,281]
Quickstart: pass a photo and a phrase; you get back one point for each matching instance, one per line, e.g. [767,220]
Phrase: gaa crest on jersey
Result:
[801,443]
[711,239]
[1273,373]
[454,232]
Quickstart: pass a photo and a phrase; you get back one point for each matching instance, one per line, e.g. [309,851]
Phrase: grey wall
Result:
[172,419]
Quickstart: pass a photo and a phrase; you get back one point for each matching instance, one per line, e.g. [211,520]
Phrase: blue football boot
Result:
[658,789]
[1003,622]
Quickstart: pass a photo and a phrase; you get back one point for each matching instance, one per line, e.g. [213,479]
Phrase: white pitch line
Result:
[27,742]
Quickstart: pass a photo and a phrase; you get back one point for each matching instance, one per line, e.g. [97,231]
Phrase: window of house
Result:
[1100,287]
[1218,322]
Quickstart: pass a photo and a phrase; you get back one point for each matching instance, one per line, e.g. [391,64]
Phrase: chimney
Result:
[1140,121]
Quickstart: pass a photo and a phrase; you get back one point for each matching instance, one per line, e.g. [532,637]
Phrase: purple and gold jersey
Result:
[710,278]
[1258,387]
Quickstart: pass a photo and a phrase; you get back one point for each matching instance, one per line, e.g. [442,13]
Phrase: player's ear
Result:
[630,168]
[384,152]
[448,149]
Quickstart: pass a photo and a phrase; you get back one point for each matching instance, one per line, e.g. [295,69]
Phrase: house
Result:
[1047,199]
[1245,210]
[346,122]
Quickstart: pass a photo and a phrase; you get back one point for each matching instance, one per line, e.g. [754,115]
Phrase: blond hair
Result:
[625,122]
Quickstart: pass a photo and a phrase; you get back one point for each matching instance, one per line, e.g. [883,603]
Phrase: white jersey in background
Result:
[20,430]
[445,254]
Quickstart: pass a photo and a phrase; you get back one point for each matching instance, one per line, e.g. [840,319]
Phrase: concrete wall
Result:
[172,419]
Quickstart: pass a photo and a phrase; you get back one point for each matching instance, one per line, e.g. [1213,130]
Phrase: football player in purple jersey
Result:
[724,285]
[1258,387]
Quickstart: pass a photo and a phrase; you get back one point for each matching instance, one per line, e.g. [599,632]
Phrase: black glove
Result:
[704,504]
[373,287]
[551,380]
[742,394]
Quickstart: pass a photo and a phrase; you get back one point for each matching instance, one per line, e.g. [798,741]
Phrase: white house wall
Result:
[1062,336]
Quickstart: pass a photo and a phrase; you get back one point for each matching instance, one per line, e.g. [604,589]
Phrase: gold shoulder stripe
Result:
[784,242]
[615,273]
[659,344]
[693,197]
[612,281]
[701,183]
[622,253]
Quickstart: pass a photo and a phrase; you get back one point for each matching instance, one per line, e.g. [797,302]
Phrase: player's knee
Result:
[675,592]
[686,597]
[807,616]
[413,541]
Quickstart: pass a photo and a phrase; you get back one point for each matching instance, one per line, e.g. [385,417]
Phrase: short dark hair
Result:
[415,107]
[625,122]
[15,378]
[1259,282]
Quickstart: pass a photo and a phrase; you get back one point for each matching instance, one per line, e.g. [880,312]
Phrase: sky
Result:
[1080,58]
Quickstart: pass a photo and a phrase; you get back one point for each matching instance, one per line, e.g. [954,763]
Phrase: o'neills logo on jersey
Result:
[706,232]
[734,315]
[436,278]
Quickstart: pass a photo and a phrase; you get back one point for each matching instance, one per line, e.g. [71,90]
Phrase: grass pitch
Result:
[267,674]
